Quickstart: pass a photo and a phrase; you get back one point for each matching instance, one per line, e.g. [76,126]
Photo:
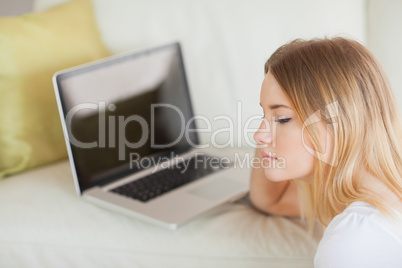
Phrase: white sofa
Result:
[43,223]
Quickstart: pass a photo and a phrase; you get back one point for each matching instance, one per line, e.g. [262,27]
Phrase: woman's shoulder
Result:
[360,237]
[363,217]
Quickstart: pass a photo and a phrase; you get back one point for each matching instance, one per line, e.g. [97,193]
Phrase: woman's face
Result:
[284,155]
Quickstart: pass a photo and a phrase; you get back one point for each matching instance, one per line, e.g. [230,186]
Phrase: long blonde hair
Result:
[365,125]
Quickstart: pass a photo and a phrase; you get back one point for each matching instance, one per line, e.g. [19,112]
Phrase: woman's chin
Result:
[275,176]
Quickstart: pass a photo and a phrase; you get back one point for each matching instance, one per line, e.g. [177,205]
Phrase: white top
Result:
[360,237]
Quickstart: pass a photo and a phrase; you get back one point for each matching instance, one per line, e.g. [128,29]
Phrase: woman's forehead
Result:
[272,96]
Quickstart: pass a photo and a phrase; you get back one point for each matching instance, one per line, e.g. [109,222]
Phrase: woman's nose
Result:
[263,134]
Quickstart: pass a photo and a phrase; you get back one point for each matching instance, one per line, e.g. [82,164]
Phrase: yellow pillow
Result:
[32,48]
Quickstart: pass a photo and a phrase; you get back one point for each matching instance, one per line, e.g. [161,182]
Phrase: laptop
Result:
[133,142]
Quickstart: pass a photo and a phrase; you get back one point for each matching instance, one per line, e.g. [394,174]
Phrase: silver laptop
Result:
[133,142]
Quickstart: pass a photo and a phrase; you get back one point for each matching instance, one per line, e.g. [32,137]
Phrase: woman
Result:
[330,115]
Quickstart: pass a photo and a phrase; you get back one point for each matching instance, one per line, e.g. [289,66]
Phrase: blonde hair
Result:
[315,75]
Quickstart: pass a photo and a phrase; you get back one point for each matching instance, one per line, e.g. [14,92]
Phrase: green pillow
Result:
[32,48]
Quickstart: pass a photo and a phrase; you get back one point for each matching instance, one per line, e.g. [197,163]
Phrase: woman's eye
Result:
[283,121]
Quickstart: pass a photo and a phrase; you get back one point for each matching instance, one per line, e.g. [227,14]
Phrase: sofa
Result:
[44,223]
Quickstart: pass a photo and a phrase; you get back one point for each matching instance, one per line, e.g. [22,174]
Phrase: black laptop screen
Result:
[124,110]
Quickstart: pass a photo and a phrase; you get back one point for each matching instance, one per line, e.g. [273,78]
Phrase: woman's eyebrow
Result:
[276,106]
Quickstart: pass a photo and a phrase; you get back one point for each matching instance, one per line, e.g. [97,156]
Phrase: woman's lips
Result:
[268,157]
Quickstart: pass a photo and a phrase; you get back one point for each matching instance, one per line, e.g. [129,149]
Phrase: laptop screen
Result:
[125,113]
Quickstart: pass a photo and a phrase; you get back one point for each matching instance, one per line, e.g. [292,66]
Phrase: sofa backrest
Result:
[225,43]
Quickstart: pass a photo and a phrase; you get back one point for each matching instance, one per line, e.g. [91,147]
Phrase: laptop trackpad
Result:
[217,189]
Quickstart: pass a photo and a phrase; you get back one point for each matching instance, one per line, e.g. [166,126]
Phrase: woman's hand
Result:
[279,198]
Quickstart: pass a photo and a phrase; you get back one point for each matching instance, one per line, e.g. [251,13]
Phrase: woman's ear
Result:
[325,132]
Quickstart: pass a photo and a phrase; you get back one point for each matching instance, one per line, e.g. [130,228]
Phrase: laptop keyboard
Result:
[170,178]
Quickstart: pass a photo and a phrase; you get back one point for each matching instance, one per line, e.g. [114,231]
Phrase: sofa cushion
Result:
[32,48]
[45,224]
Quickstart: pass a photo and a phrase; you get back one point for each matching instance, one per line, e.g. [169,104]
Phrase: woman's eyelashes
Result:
[283,120]
[279,120]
